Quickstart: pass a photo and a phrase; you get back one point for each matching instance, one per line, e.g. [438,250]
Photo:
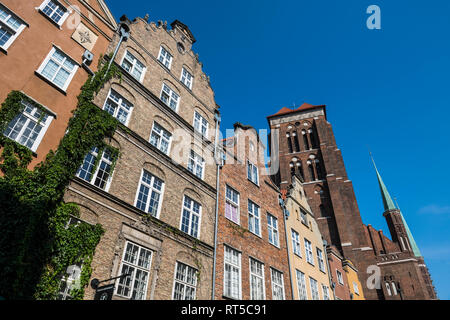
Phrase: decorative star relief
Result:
[85,36]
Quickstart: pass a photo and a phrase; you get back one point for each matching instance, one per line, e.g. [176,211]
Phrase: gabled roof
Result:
[101,8]
[285,110]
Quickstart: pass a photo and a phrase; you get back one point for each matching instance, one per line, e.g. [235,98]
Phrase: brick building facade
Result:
[306,146]
[252,259]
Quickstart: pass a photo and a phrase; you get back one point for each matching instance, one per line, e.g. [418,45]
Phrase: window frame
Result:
[4,25]
[189,86]
[151,190]
[133,65]
[191,212]
[356,288]
[309,252]
[165,57]
[250,227]
[339,277]
[200,121]
[320,260]
[94,174]
[63,18]
[239,267]
[325,293]
[184,283]
[260,277]
[301,287]
[294,240]
[30,118]
[161,137]
[233,204]
[135,266]
[251,177]
[272,270]
[49,57]
[171,92]
[197,161]
[273,229]
[119,106]
[311,282]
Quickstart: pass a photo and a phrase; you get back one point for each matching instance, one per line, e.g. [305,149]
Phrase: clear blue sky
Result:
[385,89]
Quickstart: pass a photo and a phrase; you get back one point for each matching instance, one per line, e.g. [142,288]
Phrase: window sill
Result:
[256,184]
[50,83]
[4,51]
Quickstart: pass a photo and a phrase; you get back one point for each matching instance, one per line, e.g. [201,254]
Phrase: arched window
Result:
[311,172]
[291,165]
[297,145]
[300,170]
[305,140]
[313,137]
[319,170]
[388,288]
[288,136]
[323,212]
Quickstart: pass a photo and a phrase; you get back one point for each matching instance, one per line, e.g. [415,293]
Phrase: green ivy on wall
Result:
[37,242]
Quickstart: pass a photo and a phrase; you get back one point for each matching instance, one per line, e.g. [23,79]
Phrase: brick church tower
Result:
[303,143]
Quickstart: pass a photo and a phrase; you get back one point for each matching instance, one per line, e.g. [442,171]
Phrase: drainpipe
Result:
[328,268]
[218,167]
[286,216]
[124,31]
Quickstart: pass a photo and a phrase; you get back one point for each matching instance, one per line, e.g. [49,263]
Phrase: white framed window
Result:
[10,27]
[169,97]
[296,243]
[257,291]
[136,262]
[58,68]
[200,124]
[303,216]
[101,178]
[394,288]
[272,228]
[165,57]
[117,106]
[325,292]
[277,284]
[196,164]
[29,127]
[232,205]
[388,288]
[149,194]
[68,281]
[133,66]
[254,219]
[320,259]
[252,173]
[187,78]
[309,252]
[314,289]
[356,288]
[160,138]
[232,273]
[55,11]
[301,285]
[190,217]
[185,283]
[339,277]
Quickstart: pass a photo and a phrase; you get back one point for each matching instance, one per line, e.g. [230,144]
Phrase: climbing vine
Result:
[37,241]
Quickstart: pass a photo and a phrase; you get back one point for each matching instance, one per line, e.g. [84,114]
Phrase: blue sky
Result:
[387,90]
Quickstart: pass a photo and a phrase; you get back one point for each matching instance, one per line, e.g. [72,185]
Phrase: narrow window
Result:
[356,288]
[305,140]
[272,226]
[169,97]
[313,138]
[300,170]
[301,285]
[252,173]
[117,106]
[133,66]
[289,141]
[339,277]
[326,293]
[136,261]
[311,172]
[388,288]
[296,243]
[320,259]
[297,146]
[10,27]
[28,127]
[320,174]
[149,194]
[314,289]
[292,166]
[102,175]
[186,78]
[394,288]
[160,138]
[185,283]
[190,219]
[200,124]
[232,205]
[55,11]
[277,285]
[323,213]
[254,224]
[196,164]
[256,280]
[165,57]
[232,273]
[58,68]
[309,252]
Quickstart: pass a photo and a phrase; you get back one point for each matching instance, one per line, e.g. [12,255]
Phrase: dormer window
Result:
[165,57]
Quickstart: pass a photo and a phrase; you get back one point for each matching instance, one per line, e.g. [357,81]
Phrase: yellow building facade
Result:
[307,255]
[355,287]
